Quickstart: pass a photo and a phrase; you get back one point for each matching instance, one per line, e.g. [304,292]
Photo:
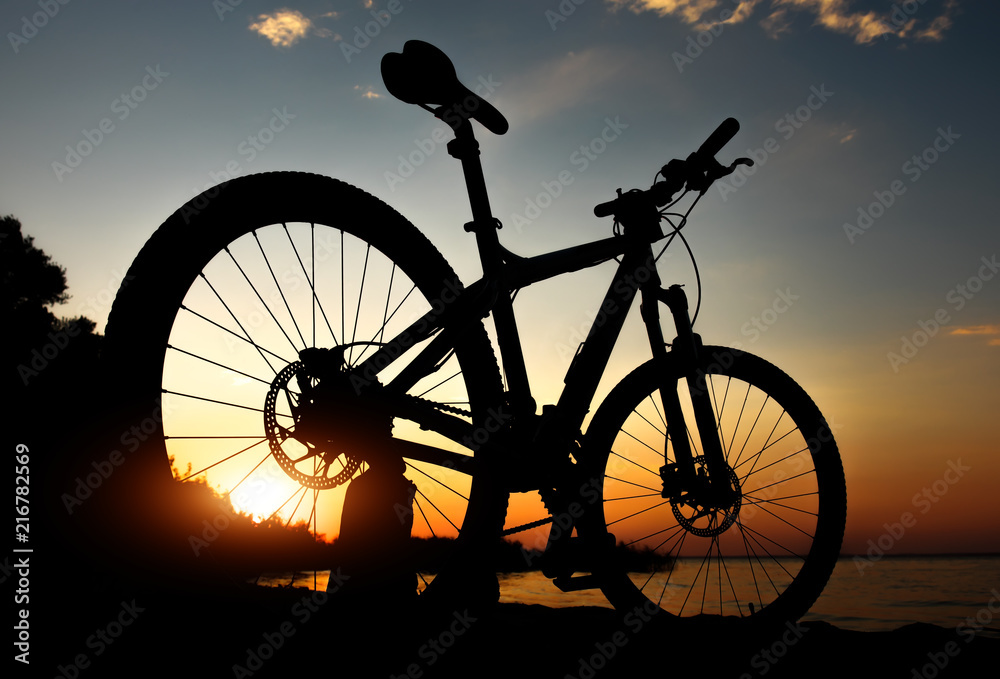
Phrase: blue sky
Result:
[840,102]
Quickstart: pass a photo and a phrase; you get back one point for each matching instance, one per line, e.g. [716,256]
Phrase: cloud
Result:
[992,332]
[282,28]
[285,27]
[900,20]
[367,92]
[563,82]
[976,330]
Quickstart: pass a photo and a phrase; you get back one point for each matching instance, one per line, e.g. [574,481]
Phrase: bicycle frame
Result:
[503,274]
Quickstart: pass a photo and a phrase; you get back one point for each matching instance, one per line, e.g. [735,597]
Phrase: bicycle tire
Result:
[152,308]
[710,566]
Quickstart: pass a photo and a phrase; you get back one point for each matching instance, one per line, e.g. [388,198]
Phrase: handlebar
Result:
[723,135]
[697,172]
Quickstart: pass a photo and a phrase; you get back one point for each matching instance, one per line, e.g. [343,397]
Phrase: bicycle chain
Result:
[458,411]
[526,526]
[439,406]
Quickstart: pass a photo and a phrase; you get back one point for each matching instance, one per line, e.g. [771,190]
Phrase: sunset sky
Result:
[860,254]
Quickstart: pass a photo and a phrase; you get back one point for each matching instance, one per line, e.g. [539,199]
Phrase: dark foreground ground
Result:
[114,631]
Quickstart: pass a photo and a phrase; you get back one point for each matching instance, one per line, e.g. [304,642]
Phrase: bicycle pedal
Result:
[575,584]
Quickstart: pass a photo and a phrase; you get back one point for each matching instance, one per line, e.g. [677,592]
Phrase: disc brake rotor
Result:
[307,449]
[708,519]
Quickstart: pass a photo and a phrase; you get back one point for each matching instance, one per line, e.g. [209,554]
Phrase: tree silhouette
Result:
[40,351]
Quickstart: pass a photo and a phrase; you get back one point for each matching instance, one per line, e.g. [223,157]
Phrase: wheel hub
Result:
[705,512]
[332,428]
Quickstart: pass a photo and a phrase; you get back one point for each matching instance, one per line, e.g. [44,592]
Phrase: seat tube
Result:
[466,149]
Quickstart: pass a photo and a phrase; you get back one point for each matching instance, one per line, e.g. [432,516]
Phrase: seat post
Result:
[465,148]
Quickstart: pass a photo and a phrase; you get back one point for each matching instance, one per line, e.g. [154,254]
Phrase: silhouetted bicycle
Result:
[305,305]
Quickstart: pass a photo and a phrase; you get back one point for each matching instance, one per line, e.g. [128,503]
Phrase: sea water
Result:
[883,595]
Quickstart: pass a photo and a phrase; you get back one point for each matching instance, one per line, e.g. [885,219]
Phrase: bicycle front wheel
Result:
[217,316]
[765,553]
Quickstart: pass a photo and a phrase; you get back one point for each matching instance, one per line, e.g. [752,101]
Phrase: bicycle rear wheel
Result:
[765,556]
[215,314]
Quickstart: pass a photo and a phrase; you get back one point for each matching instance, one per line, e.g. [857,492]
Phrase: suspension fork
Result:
[686,349]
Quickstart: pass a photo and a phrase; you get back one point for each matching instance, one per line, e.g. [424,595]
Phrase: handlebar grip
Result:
[605,209]
[723,133]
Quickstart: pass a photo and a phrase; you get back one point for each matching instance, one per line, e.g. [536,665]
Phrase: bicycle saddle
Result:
[424,75]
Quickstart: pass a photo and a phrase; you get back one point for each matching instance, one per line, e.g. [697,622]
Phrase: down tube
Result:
[588,365]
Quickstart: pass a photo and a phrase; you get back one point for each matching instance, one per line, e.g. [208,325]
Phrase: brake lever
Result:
[715,172]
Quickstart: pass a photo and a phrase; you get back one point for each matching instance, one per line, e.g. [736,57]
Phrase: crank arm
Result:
[420,452]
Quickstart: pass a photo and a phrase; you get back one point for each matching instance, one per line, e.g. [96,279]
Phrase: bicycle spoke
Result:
[808,535]
[641,442]
[216,363]
[679,530]
[256,346]
[753,426]
[631,497]
[442,382]
[237,321]
[641,511]
[423,515]
[437,481]
[224,403]
[311,279]
[437,509]
[357,311]
[631,461]
[257,466]
[662,433]
[238,452]
[771,464]
[256,292]
[638,485]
